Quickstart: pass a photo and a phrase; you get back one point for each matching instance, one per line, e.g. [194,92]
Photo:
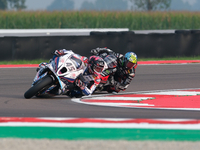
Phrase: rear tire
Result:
[38,87]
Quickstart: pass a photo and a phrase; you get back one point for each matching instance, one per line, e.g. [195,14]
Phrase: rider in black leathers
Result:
[125,72]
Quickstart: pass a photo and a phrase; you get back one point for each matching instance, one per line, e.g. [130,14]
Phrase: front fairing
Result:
[68,67]
[65,69]
[39,75]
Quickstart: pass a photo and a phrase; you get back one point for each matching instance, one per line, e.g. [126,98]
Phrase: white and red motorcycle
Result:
[56,77]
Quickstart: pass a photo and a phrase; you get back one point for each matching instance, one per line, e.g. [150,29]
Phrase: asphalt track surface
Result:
[15,81]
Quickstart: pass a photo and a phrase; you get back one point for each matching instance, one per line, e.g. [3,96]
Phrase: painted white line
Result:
[139,92]
[183,93]
[119,98]
[121,104]
[129,123]
[75,119]
[111,104]
[107,125]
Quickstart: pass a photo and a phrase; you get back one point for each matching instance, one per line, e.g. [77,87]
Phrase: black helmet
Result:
[96,65]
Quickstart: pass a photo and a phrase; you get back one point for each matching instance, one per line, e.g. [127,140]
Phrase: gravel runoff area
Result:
[46,144]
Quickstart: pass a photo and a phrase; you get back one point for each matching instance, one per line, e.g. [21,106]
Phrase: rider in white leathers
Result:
[89,80]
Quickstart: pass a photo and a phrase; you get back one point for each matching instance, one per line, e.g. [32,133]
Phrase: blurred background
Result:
[131,14]
[172,25]
[136,5]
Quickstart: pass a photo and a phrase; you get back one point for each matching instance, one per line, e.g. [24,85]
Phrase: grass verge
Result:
[171,58]
[74,133]
[37,61]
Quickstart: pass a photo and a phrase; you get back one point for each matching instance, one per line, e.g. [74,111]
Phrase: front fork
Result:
[41,72]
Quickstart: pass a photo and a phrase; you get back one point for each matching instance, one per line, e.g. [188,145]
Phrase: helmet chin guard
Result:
[96,65]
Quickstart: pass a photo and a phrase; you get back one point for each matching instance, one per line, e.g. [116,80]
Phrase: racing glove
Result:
[100,50]
[80,84]
[59,52]
[118,55]
[94,51]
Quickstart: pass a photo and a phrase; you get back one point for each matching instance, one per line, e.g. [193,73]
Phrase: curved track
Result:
[15,81]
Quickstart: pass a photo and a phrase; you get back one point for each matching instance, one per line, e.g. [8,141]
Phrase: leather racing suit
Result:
[86,82]
[122,77]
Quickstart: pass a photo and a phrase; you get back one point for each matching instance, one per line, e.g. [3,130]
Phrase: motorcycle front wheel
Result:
[40,85]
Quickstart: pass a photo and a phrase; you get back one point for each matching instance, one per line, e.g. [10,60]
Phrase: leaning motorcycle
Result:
[56,77]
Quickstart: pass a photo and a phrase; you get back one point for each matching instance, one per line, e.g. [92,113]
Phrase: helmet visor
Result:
[130,65]
[98,69]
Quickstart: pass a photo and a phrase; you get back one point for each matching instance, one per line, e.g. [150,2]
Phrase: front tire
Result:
[44,82]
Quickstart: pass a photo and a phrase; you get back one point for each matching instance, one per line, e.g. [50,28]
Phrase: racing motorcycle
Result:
[56,77]
[109,70]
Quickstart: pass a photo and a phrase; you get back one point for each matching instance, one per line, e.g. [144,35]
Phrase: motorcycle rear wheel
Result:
[44,82]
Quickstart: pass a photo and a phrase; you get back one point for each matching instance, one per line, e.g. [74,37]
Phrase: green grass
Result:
[38,61]
[171,58]
[99,19]
[80,133]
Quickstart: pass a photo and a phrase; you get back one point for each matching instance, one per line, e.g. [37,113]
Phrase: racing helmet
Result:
[96,65]
[130,60]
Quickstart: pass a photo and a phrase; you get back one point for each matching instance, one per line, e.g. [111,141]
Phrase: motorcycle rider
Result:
[89,80]
[125,72]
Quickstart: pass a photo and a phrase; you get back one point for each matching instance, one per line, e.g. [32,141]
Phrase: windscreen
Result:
[111,61]
[77,62]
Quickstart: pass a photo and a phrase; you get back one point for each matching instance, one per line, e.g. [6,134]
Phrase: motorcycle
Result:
[108,72]
[56,77]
